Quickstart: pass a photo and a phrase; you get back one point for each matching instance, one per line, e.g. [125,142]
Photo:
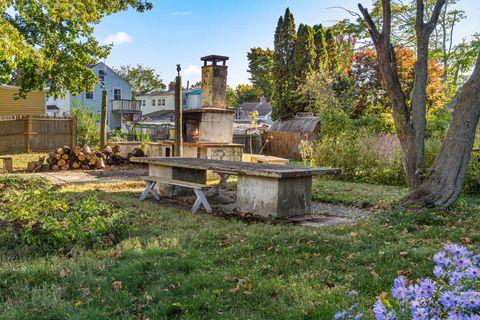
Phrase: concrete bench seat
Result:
[7,163]
[198,188]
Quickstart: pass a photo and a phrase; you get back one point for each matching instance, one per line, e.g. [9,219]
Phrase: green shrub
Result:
[88,131]
[32,211]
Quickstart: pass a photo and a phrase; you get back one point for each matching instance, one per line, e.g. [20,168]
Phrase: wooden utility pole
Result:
[103,120]
[178,115]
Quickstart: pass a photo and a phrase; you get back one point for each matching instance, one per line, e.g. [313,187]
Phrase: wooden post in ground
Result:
[103,120]
[73,132]
[28,134]
[178,114]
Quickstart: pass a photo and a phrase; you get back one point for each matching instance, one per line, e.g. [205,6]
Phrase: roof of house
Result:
[263,108]
[194,92]
[158,93]
[303,124]
[159,115]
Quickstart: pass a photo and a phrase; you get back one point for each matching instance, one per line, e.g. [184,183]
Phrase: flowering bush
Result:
[454,292]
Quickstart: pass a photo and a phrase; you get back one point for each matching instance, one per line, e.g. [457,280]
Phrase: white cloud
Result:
[181,13]
[191,71]
[117,38]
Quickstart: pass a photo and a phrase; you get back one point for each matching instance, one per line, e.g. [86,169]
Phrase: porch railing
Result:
[127,105]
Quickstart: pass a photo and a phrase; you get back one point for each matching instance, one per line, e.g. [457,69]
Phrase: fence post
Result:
[28,134]
[73,132]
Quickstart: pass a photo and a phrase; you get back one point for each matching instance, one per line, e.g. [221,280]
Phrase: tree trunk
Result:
[444,184]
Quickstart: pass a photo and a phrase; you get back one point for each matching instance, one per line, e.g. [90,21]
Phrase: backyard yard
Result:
[171,264]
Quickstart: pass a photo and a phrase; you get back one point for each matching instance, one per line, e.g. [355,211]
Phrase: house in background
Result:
[264,109]
[33,104]
[160,105]
[121,108]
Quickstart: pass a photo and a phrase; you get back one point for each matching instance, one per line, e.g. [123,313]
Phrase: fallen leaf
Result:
[375,275]
[65,272]
[404,253]
[117,285]
[328,258]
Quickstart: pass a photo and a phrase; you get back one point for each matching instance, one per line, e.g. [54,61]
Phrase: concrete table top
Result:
[238,168]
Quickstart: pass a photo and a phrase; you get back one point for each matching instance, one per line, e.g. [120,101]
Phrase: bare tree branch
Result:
[371,25]
[430,25]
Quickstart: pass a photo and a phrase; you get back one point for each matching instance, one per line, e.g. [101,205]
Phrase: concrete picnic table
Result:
[262,189]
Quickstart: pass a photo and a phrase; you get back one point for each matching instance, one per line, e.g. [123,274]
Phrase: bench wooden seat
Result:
[198,188]
[7,163]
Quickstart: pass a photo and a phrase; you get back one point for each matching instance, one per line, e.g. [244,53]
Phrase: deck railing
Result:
[127,105]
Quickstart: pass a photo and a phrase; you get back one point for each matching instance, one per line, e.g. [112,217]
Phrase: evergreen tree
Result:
[303,65]
[332,50]
[260,65]
[284,45]
[321,60]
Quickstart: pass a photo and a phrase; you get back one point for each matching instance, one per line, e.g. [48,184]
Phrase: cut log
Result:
[85,167]
[58,156]
[65,156]
[76,165]
[77,150]
[86,149]
[45,167]
[61,162]
[100,164]
[55,167]
[65,167]
[60,151]
[81,156]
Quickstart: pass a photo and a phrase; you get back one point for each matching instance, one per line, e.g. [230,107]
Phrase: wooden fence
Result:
[284,144]
[20,134]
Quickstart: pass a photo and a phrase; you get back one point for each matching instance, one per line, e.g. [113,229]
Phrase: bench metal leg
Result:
[201,199]
[149,189]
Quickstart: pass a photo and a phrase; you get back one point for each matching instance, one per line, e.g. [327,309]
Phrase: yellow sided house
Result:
[33,104]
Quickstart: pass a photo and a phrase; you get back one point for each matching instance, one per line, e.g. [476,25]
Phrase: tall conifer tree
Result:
[321,60]
[303,65]
[284,45]
[332,50]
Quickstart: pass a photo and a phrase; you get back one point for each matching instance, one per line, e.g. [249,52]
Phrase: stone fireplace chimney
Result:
[214,82]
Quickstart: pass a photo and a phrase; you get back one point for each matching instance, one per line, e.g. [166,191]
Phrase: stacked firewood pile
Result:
[78,158]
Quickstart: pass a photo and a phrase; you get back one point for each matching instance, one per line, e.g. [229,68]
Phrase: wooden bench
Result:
[7,163]
[198,188]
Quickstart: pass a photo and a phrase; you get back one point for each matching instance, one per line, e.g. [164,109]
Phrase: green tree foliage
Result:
[143,79]
[332,50]
[260,66]
[303,65]
[52,41]
[247,93]
[232,99]
[284,45]
[321,53]
[88,132]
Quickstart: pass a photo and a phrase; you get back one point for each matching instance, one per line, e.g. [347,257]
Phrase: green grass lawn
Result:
[176,265]
[21,160]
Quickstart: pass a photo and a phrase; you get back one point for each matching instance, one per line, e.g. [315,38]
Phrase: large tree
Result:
[51,42]
[260,66]
[303,65]
[143,79]
[284,45]
[409,114]
[444,184]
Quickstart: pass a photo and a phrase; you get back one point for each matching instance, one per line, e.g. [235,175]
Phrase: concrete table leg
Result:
[274,197]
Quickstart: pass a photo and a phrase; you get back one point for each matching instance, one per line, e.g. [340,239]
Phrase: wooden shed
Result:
[33,104]
[285,136]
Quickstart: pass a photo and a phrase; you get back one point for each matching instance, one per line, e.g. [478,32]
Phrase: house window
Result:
[163,102]
[101,75]
[143,103]
[117,94]
[89,95]
[153,102]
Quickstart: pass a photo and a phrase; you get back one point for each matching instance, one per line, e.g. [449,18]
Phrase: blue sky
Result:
[183,31]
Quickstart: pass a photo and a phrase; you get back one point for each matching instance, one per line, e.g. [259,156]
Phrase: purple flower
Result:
[473,273]
[340,315]
[380,311]
[420,314]
[439,272]
[440,258]
[456,250]
[448,300]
